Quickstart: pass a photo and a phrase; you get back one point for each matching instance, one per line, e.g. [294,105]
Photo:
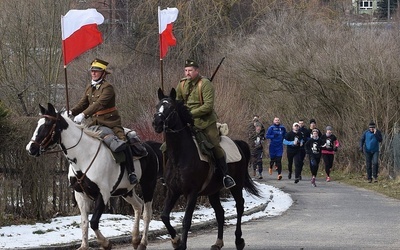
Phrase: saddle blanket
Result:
[228,145]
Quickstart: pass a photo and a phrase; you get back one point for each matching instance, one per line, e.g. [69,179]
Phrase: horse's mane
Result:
[90,132]
[87,130]
[184,113]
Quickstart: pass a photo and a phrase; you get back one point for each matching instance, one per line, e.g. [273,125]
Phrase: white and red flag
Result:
[79,32]
[166,18]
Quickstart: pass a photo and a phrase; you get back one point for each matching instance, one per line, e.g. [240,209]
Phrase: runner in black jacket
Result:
[294,142]
[313,149]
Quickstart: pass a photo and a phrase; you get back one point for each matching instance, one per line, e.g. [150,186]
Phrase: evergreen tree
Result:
[383,8]
[4,129]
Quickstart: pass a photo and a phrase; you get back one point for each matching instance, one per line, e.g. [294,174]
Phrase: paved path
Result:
[330,216]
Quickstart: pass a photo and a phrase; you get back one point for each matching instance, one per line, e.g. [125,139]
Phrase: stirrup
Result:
[229,182]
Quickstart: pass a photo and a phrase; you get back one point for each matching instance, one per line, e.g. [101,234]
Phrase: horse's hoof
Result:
[176,242]
[142,247]
[215,247]
[136,242]
[240,244]
[108,247]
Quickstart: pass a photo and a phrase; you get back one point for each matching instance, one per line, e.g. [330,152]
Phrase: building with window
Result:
[369,7]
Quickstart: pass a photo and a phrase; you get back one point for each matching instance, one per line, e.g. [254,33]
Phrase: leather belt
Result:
[105,111]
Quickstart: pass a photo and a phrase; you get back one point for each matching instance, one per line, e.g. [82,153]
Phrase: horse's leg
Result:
[238,196]
[84,207]
[137,204]
[94,222]
[148,187]
[169,204]
[147,214]
[187,219]
[220,216]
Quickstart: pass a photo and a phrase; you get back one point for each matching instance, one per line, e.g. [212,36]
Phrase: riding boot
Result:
[129,166]
[138,149]
[228,180]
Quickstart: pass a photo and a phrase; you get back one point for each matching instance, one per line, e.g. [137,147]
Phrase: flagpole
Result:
[162,74]
[164,157]
[66,87]
[65,67]
[160,44]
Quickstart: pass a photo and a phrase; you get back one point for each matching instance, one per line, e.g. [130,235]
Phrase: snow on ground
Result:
[63,230]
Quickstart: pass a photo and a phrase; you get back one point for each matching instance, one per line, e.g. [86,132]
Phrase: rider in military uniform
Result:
[198,94]
[98,103]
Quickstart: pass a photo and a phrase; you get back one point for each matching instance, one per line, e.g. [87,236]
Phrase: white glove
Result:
[70,113]
[79,118]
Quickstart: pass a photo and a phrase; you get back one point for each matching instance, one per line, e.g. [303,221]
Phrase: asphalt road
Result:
[330,216]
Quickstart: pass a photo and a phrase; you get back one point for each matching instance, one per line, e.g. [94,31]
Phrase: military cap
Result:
[191,63]
[99,65]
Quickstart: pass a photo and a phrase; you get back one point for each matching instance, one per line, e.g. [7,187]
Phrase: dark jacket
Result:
[331,144]
[289,141]
[313,147]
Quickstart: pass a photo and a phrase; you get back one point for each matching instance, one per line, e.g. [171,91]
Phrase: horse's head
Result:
[47,132]
[171,114]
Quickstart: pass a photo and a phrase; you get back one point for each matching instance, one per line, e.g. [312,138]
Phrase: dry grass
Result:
[385,186]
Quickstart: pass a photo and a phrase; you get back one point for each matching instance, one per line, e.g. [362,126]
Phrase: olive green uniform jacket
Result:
[98,98]
[200,101]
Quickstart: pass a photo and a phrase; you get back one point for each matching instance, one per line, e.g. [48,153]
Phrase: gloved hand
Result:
[79,118]
[69,113]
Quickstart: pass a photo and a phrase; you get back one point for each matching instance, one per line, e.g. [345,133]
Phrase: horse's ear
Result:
[160,94]
[172,94]
[51,108]
[42,110]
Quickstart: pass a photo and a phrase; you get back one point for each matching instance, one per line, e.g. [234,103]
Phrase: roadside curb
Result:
[126,239]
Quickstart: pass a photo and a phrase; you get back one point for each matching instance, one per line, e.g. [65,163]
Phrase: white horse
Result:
[95,175]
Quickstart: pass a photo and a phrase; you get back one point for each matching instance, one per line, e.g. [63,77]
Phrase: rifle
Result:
[216,70]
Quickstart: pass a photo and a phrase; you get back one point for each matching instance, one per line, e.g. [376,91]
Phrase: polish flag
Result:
[166,17]
[79,32]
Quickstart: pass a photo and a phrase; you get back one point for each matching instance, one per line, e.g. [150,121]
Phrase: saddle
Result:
[204,148]
[133,141]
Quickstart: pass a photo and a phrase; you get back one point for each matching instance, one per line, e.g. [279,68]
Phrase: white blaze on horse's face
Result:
[161,109]
[35,133]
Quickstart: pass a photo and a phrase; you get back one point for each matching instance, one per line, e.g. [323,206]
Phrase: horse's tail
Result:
[249,184]
[156,148]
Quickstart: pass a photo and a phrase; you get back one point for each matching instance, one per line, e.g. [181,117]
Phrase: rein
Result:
[166,128]
[79,180]
[50,136]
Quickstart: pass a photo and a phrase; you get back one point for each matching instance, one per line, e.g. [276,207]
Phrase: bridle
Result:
[49,138]
[44,144]
[166,120]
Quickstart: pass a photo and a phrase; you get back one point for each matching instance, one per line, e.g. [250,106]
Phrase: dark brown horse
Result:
[186,174]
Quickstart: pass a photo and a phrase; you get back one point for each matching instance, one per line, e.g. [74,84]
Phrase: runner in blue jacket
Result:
[276,133]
